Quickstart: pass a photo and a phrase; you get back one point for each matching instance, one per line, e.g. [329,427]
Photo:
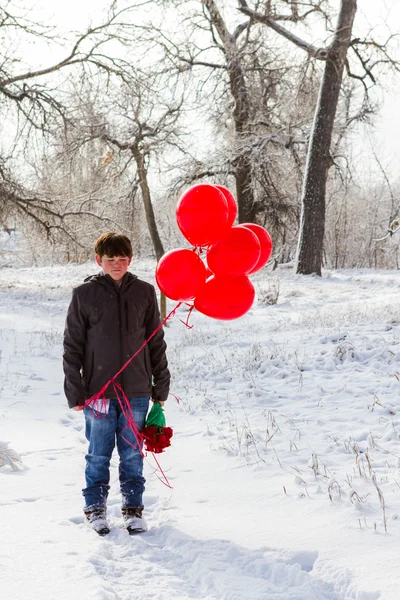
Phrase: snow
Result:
[285,462]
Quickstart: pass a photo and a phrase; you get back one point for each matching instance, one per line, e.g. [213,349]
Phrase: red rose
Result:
[157,438]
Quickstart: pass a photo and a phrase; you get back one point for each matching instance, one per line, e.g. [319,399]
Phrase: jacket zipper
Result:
[120,334]
[118,292]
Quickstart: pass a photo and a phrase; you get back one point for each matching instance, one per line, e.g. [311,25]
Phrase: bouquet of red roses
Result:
[156,435]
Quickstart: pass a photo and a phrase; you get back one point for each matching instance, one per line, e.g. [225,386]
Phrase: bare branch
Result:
[314,51]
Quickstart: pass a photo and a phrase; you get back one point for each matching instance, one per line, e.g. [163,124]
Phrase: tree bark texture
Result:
[163,307]
[150,218]
[244,191]
[312,222]
[148,207]
[241,114]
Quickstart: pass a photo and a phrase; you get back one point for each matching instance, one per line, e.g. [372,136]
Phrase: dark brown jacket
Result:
[106,324]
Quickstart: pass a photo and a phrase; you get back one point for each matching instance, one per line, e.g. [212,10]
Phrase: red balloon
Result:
[232,206]
[180,273]
[265,243]
[225,298]
[237,253]
[202,214]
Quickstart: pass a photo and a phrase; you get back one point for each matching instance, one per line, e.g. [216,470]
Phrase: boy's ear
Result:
[98,260]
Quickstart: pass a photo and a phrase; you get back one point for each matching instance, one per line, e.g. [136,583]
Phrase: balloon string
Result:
[100,397]
[186,323]
[176,397]
[169,316]
[138,435]
[200,249]
[100,394]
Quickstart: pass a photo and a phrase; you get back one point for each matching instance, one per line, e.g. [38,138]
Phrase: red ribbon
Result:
[124,402]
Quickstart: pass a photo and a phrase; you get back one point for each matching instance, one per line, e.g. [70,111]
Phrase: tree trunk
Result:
[148,207]
[241,114]
[244,191]
[150,218]
[163,307]
[312,222]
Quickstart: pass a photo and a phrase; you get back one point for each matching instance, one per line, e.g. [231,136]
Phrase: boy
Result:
[110,316]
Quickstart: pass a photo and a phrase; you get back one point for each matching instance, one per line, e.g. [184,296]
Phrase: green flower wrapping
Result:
[156,435]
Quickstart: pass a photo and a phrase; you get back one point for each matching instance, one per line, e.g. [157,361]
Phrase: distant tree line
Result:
[159,95]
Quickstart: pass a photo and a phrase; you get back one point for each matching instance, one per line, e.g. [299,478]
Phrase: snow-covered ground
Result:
[285,460]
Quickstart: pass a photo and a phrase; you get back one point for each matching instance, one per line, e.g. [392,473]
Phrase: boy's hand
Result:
[160,402]
[77,408]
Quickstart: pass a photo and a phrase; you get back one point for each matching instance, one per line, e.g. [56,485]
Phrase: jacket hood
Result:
[100,277]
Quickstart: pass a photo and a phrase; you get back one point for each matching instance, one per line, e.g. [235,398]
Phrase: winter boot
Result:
[134,521]
[97,520]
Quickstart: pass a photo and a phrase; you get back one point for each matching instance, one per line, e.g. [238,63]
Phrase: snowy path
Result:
[249,516]
[50,554]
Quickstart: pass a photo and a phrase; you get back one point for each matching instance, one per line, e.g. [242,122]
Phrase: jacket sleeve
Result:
[74,347]
[157,348]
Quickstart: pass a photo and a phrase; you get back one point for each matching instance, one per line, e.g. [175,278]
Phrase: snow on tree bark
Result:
[312,222]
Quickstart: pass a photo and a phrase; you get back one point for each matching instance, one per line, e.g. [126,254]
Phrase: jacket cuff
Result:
[157,396]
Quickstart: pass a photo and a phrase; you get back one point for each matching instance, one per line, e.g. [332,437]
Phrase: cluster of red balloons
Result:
[221,288]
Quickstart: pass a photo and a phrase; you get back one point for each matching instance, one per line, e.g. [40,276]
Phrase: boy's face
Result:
[115,266]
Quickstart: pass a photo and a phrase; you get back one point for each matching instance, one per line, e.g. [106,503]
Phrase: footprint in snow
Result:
[185,567]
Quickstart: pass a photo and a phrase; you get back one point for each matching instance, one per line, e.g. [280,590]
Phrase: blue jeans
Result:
[101,432]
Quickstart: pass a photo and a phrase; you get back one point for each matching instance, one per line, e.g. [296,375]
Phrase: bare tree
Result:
[241,111]
[367,57]
[147,125]
[312,224]
[237,78]
[35,105]
[81,182]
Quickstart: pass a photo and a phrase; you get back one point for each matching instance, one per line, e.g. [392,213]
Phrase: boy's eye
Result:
[123,259]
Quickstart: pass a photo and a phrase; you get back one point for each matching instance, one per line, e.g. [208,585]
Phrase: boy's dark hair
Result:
[113,244]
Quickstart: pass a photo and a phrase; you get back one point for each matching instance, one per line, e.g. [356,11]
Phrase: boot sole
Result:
[103,532]
[135,531]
